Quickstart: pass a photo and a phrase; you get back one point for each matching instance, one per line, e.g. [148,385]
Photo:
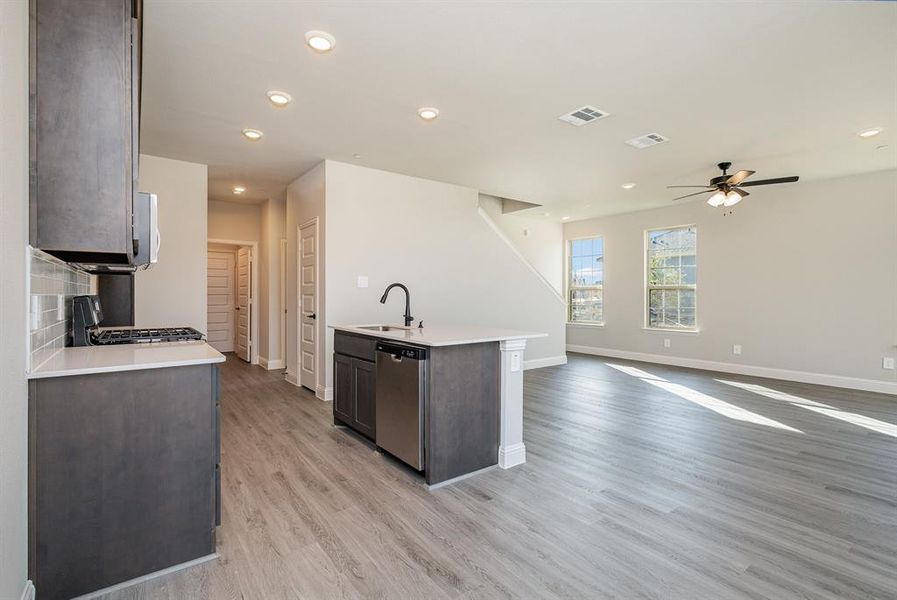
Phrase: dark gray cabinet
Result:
[123,476]
[85,91]
[354,383]
[462,405]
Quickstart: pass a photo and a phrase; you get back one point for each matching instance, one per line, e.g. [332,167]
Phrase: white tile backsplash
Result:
[51,282]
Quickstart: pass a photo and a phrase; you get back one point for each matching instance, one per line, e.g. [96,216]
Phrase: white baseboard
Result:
[28,592]
[549,361]
[270,365]
[511,456]
[290,378]
[853,383]
[324,393]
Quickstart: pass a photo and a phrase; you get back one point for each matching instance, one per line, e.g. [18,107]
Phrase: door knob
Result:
[311,316]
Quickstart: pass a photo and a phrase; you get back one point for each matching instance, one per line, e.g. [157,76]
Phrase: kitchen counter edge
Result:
[441,335]
[89,360]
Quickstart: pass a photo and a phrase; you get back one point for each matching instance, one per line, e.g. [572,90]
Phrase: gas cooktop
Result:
[144,336]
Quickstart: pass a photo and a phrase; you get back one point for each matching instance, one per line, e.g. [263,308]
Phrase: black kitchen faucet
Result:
[408,318]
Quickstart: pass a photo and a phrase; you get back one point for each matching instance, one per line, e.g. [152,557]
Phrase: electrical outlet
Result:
[666,342]
[362,281]
[887,362]
[736,349]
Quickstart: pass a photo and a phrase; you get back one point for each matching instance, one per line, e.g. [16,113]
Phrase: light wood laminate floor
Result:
[641,481]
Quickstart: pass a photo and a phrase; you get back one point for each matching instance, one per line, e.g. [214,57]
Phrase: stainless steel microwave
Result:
[147,239]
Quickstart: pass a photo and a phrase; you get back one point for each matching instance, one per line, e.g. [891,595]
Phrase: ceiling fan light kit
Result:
[726,189]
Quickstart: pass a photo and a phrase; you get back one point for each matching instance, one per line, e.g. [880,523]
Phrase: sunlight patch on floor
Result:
[818,407]
[718,406]
[709,402]
[635,372]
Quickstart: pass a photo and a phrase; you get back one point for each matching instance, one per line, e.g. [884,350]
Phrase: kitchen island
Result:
[457,409]
[123,464]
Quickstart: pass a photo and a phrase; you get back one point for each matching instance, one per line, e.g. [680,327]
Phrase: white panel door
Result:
[308,305]
[221,301]
[244,303]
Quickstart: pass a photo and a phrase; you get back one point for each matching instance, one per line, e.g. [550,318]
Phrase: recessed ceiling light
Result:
[239,189]
[546,214]
[279,99]
[565,218]
[320,41]
[882,147]
[253,135]
[628,186]
[868,133]
[428,113]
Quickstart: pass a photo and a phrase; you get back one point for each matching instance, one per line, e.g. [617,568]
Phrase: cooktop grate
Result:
[146,335]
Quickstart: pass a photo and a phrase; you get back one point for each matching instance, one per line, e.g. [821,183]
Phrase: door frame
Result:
[282,317]
[254,298]
[318,347]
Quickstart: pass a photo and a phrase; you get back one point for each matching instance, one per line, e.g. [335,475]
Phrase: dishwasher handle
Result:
[398,352]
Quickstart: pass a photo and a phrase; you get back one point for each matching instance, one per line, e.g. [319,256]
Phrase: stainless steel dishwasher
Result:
[401,394]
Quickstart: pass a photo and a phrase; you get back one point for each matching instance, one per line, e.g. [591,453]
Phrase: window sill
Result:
[579,324]
[662,330]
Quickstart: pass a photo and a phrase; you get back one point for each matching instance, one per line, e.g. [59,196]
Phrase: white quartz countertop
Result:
[442,335]
[125,357]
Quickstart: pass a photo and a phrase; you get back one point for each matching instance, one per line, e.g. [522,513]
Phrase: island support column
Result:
[511,451]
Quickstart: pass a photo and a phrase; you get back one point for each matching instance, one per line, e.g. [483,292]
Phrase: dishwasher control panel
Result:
[402,351]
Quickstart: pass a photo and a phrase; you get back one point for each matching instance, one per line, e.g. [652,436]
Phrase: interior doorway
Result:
[232,286]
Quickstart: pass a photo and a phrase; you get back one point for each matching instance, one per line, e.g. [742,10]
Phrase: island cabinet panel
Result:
[343,392]
[84,85]
[354,383]
[463,411]
[365,418]
[122,476]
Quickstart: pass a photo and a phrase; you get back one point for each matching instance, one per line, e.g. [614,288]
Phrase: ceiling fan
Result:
[726,188]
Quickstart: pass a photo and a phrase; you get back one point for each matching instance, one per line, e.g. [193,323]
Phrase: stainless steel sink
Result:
[384,328]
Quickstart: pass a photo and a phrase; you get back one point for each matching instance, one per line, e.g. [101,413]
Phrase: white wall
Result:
[803,276]
[13,319]
[273,223]
[305,201]
[235,221]
[540,242]
[173,291]
[429,236]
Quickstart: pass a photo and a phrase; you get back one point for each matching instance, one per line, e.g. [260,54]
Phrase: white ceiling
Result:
[781,88]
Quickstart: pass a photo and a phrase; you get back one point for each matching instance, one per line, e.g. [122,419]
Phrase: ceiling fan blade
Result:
[741,192]
[692,186]
[791,179]
[738,177]
[695,194]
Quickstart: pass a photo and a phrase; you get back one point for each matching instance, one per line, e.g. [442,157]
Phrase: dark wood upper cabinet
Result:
[85,93]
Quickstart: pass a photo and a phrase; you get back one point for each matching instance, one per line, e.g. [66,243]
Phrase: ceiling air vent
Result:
[644,141]
[581,116]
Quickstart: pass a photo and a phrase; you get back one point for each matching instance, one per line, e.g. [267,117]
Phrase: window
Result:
[585,276]
[671,277]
